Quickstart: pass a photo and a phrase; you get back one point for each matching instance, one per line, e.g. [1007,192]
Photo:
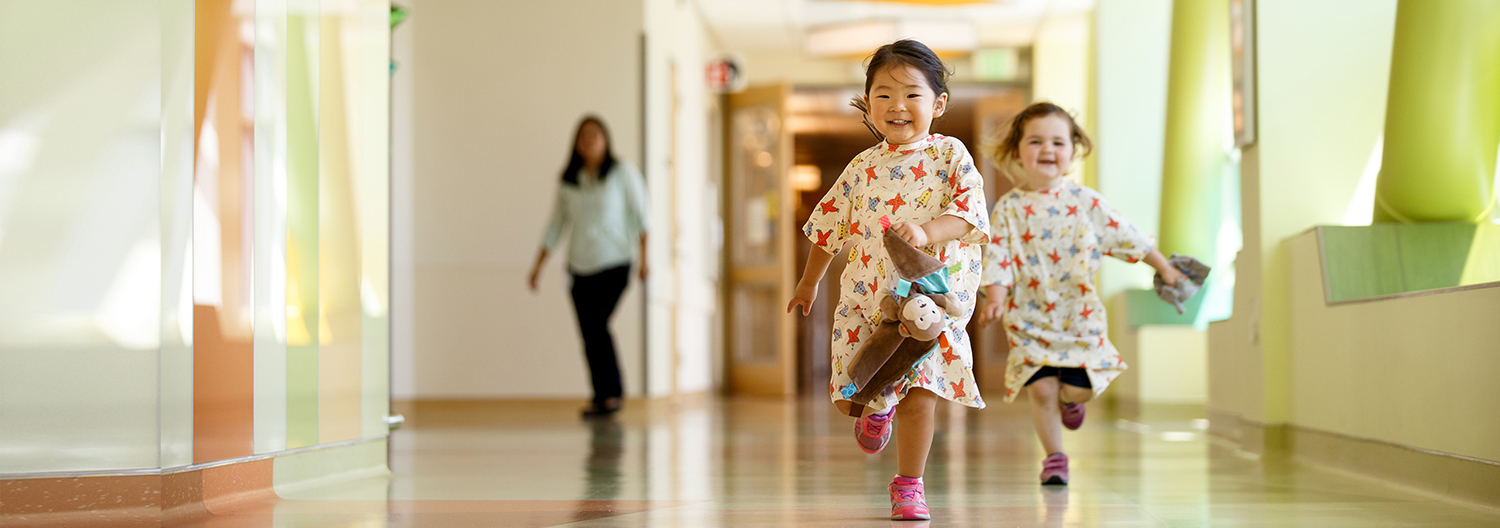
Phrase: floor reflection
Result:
[763,462]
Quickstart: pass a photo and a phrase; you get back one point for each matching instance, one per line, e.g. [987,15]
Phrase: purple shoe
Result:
[1055,470]
[1072,415]
[908,501]
[872,432]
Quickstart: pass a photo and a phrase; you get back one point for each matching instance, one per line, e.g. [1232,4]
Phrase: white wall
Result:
[498,89]
[682,175]
[1133,39]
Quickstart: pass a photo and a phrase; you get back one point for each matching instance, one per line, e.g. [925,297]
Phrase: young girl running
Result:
[1047,238]
[926,187]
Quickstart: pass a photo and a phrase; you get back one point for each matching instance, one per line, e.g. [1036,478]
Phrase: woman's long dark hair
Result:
[575,161]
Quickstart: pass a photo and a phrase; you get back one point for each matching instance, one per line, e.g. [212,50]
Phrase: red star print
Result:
[870,171]
[958,389]
[1012,304]
[893,147]
[1004,264]
[1034,284]
[1055,257]
[895,203]
[962,203]
[917,170]
[948,356]
[1029,212]
[853,335]
[1082,290]
[864,258]
[1101,341]
[854,229]
[1051,306]
[828,206]
[823,237]
[1044,343]
[1096,204]
[943,254]
[1086,311]
[1114,224]
[1027,236]
[1072,210]
[1017,260]
[1013,343]
[875,283]
[961,190]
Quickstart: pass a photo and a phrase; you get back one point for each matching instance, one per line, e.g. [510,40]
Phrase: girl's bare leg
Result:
[914,424]
[1070,394]
[1045,415]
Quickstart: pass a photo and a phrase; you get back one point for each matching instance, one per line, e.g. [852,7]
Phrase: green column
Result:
[1198,106]
[1442,117]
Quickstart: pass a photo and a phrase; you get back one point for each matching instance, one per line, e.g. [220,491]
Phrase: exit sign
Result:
[996,64]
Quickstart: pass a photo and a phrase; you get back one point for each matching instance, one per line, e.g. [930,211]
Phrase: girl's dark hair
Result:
[1009,147]
[904,52]
[575,160]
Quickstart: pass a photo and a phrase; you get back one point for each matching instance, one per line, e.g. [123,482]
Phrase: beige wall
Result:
[497,91]
[1413,371]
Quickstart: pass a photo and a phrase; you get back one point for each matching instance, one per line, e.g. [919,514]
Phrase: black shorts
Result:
[1076,377]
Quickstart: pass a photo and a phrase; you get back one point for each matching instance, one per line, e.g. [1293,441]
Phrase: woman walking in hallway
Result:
[601,204]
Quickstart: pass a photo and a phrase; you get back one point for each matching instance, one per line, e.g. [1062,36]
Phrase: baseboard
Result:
[1448,475]
[1454,476]
[181,495]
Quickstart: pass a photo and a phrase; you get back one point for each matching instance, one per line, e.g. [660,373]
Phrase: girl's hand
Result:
[911,232]
[536,277]
[992,311]
[803,295]
[1171,275]
[644,271]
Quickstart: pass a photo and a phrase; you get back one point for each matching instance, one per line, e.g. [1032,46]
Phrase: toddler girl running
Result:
[1047,238]
[925,186]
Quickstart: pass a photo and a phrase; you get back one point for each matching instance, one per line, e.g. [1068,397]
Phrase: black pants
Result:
[594,300]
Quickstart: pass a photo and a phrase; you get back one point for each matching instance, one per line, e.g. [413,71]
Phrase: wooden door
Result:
[759,232]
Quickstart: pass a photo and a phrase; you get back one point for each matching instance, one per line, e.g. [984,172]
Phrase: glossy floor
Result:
[762,462]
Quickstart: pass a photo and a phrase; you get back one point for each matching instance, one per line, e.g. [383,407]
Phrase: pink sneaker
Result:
[1055,470]
[908,502]
[1072,415]
[874,431]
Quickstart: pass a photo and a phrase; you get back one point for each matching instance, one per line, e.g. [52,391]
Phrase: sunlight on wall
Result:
[1361,209]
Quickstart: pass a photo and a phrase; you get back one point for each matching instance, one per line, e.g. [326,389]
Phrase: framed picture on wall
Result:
[1242,47]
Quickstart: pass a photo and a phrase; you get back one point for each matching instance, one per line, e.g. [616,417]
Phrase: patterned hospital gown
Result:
[916,182]
[1046,247]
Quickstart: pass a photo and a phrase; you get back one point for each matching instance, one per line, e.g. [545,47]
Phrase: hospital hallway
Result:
[771,462]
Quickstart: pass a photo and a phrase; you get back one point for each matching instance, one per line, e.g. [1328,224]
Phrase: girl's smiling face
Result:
[902,104]
[1046,150]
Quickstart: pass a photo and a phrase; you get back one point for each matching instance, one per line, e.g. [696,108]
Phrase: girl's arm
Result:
[812,274]
[935,231]
[994,304]
[1169,273]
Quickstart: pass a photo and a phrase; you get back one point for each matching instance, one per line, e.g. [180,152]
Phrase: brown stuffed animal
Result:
[909,326]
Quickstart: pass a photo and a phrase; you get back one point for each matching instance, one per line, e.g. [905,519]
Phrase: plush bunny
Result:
[911,319]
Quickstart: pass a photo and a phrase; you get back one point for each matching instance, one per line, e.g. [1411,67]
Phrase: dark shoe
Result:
[603,409]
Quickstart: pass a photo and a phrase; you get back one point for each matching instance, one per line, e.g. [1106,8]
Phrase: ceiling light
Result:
[857,40]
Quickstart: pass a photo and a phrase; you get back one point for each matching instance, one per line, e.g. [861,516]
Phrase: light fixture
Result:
[807,177]
[856,40]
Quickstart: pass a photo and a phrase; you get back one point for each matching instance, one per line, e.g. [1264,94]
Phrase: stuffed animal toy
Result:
[911,319]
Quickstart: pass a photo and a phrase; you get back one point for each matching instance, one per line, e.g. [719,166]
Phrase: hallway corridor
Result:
[762,462]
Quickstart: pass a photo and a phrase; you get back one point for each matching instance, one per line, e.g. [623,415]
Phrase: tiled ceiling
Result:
[747,25]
